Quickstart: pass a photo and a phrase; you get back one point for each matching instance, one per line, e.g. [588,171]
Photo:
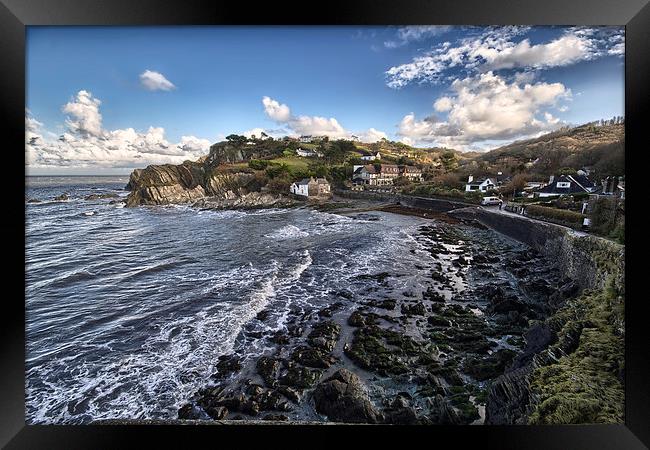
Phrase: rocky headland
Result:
[213,181]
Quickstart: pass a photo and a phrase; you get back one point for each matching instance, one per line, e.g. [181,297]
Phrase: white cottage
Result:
[480,184]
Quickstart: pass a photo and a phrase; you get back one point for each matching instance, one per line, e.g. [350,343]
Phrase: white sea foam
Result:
[287,232]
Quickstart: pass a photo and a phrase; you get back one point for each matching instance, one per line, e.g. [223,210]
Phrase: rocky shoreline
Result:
[425,357]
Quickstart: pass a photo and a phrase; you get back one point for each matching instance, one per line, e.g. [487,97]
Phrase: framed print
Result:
[408,216]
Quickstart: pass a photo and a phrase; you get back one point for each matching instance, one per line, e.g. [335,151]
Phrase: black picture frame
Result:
[15,15]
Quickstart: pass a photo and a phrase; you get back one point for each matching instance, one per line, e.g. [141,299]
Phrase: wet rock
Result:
[290,393]
[263,315]
[356,319]
[387,304]
[489,367]
[62,197]
[509,398]
[442,413]
[33,200]
[343,398]
[312,357]
[300,377]
[217,412]
[280,337]
[324,335]
[414,310]
[100,196]
[269,369]
[192,412]
[369,352]
[433,295]
[227,364]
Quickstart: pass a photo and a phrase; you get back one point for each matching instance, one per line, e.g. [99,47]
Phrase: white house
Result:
[371,157]
[300,187]
[305,153]
[480,184]
[566,185]
[306,138]
[311,187]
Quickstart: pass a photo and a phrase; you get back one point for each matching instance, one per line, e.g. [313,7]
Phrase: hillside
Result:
[601,147]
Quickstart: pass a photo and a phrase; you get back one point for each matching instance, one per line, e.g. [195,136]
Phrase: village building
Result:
[566,185]
[311,187]
[306,153]
[412,173]
[384,174]
[370,156]
[480,184]
[306,138]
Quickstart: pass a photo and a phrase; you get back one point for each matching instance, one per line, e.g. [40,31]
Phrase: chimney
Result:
[470,178]
[551,178]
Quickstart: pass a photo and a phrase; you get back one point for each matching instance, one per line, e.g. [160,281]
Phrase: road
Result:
[495,209]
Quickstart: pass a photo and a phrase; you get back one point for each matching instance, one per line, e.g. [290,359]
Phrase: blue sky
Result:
[108,99]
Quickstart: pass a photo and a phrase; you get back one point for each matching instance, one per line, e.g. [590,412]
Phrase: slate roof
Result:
[579,184]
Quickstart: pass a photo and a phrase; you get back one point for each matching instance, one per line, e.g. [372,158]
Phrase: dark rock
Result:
[356,319]
[489,367]
[300,377]
[387,304]
[33,200]
[414,310]
[269,369]
[217,413]
[192,412]
[227,364]
[343,398]
[324,335]
[312,357]
[263,315]
[433,295]
[62,197]
[100,196]
[509,398]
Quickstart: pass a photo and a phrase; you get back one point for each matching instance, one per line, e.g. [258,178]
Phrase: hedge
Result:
[554,214]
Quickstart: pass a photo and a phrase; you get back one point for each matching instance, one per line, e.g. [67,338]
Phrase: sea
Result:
[128,309]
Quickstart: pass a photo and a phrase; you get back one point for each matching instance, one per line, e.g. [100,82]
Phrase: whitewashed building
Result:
[479,184]
[311,187]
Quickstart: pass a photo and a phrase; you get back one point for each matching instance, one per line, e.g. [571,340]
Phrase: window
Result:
[563,184]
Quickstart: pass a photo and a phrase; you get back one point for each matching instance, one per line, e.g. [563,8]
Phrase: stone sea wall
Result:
[590,261]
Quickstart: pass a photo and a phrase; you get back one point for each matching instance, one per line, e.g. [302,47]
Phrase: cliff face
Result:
[202,180]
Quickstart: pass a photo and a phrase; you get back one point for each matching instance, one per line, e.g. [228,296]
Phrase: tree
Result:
[516,184]
[236,139]
[449,161]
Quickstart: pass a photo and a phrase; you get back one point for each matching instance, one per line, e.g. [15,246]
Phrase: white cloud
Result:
[84,116]
[276,111]
[496,49]
[560,52]
[317,126]
[372,135]
[312,125]
[414,33]
[442,104]
[155,81]
[86,144]
[486,107]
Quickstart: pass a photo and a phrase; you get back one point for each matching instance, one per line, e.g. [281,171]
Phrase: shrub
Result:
[553,214]
[258,164]
[279,185]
